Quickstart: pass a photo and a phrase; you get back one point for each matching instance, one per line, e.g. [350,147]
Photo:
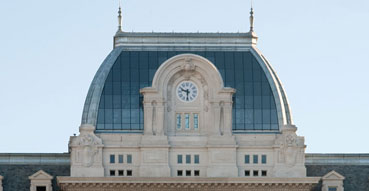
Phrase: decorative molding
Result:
[179,184]
[128,39]
[332,180]
[41,178]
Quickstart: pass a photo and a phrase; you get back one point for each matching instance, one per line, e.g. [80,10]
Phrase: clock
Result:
[187,91]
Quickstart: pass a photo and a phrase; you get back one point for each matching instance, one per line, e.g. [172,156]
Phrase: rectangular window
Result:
[196,173]
[120,172]
[196,121]
[187,121]
[179,159]
[112,172]
[255,159]
[263,173]
[247,159]
[129,159]
[256,173]
[263,159]
[332,188]
[188,173]
[120,158]
[112,159]
[40,188]
[197,159]
[179,172]
[178,121]
[129,172]
[247,173]
[188,159]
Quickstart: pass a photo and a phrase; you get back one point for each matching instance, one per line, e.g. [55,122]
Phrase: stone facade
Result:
[220,152]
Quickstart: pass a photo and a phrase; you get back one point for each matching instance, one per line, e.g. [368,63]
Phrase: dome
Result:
[114,103]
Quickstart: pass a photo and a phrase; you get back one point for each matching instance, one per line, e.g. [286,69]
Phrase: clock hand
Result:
[187,92]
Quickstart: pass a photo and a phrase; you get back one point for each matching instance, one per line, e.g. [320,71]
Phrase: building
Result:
[185,111]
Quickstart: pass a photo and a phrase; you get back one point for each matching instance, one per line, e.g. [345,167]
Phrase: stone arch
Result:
[186,62]
[188,66]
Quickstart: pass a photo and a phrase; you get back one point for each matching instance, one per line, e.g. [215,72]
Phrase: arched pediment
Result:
[187,64]
[214,103]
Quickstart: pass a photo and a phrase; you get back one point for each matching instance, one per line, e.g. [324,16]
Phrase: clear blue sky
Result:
[50,51]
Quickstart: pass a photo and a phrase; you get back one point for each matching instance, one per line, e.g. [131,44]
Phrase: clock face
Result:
[187,91]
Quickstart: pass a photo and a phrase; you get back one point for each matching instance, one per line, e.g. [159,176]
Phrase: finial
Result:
[119,18]
[252,18]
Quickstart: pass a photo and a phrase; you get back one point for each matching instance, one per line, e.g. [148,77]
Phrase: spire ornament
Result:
[119,19]
[251,34]
[252,19]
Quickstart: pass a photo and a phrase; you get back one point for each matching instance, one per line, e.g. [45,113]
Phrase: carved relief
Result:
[86,148]
[289,147]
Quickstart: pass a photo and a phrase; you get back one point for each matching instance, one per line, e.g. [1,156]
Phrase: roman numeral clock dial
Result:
[187,91]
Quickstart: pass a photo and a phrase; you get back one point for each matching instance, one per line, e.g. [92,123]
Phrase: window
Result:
[179,121]
[263,159]
[129,172]
[188,159]
[120,172]
[196,121]
[179,159]
[188,173]
[129,159]
[112,172]
[256,173]
[179,172]
[239,68]
[247,159]
[247,173]
[197,159]
[187,121]
[112,159]
[120,158]
[255,159]
[263,173]
[196,173]
[40,188]
[332,188]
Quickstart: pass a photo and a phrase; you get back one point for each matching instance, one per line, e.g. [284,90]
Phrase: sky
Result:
[51,50]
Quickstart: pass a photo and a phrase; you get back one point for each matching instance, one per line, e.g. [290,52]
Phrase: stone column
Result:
[148,113]
[227,108]
[159,118]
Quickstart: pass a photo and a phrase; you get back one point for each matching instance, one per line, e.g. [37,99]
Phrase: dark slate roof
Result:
[16,168]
